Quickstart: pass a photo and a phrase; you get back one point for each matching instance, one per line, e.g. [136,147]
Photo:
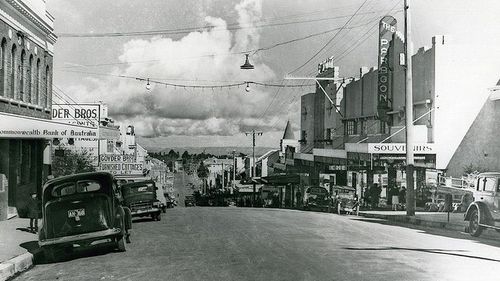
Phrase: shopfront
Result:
[25,157]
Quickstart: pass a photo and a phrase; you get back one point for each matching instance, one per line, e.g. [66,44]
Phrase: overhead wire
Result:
[329,41]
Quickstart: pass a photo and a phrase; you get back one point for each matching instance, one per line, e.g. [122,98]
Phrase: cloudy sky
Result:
[200,42]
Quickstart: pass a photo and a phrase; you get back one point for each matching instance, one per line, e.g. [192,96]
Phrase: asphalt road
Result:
[198,243]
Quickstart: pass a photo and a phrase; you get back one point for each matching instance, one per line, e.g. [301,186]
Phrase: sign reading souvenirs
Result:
[400,148]
[79,114]
[387,28]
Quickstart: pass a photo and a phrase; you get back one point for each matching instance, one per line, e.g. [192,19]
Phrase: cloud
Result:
[199,58]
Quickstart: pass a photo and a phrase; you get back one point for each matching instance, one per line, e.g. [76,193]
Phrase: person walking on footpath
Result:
[34,212]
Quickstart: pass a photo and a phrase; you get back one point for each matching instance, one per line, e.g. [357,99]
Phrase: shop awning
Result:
[24,127]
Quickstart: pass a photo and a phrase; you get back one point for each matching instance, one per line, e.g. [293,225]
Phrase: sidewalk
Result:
[428,219]
[15,241]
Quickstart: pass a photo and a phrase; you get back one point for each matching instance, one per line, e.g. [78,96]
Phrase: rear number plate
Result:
[76,214]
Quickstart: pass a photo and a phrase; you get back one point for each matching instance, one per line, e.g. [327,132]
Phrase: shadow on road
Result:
[490,241]
[431,251]
[39,256]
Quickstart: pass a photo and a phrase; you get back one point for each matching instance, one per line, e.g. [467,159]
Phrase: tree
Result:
[68,162]
[202,173]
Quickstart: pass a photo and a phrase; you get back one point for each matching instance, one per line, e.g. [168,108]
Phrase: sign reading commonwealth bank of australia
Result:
[387,28]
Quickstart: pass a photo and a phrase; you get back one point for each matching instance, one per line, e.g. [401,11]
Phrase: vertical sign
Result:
[387,28]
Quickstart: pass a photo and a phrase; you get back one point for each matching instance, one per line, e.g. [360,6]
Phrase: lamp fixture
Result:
[247,88]
[247,64]
[148,85]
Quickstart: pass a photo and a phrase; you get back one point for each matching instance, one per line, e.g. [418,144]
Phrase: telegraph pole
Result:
[234,172]
[253,133]
[410,161]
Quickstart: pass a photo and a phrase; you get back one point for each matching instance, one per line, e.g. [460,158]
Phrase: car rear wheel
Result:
[474,228]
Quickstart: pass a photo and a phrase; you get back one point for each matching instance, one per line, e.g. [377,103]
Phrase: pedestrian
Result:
[33,212]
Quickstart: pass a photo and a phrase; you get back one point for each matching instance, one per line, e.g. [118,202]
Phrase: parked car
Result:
[160,192]
[344,199]
[83,210]
[141,198]
[484,211]
[318,198]
[189,201]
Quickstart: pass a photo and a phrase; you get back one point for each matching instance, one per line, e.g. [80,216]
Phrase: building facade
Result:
[453,110]
[26,61]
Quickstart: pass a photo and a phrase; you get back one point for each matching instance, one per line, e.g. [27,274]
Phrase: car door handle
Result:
[481,198]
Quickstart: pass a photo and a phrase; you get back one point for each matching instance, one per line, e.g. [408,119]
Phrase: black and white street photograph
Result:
[252,140]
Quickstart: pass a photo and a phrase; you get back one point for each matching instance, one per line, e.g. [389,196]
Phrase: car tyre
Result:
[474,228]
[120,243]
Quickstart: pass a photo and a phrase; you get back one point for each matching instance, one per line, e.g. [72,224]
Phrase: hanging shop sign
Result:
[121,168]
[79,114]
[387,28]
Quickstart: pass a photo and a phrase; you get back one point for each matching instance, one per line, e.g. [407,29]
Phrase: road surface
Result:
[203,243]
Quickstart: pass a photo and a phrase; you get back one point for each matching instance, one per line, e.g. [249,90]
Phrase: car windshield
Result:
[69,188]
[317,190]
[148,187]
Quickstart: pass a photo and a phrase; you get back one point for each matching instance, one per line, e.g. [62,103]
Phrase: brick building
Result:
[26,58]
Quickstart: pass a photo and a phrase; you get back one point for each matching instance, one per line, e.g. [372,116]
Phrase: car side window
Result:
[490,184]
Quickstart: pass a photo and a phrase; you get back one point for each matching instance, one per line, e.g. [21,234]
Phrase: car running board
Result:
[489,226]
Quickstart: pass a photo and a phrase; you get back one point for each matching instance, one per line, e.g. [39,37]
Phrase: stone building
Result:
[26,57]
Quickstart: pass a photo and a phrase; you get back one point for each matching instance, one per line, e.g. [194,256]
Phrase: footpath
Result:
[455,221]
[18,247]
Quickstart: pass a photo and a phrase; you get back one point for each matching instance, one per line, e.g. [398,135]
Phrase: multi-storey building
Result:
[352,142]
[26,53]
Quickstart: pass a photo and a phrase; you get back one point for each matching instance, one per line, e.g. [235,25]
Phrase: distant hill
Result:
[214,150]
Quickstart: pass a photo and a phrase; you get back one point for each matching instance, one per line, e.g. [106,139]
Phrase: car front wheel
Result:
[474,228]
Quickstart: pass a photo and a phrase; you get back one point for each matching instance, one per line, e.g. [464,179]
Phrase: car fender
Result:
[484,212]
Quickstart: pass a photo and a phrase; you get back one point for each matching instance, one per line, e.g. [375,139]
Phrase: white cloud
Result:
[204,56]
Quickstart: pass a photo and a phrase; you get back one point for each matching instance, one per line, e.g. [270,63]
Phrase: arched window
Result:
[47,87]
[29,80]
[3,69]
[13,72]
[36,88]
[22,76]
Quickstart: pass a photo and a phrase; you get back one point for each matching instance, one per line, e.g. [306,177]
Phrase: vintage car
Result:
[82,210]
[484,211]
[344,199]
[189,201]
[317,198]
[141,198]
[160,192]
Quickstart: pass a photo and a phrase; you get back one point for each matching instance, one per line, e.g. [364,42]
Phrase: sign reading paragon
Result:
[387,28]
[400,148]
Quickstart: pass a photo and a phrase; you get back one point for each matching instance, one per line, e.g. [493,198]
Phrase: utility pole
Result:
[410,161]
[253,133]
[234,172]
